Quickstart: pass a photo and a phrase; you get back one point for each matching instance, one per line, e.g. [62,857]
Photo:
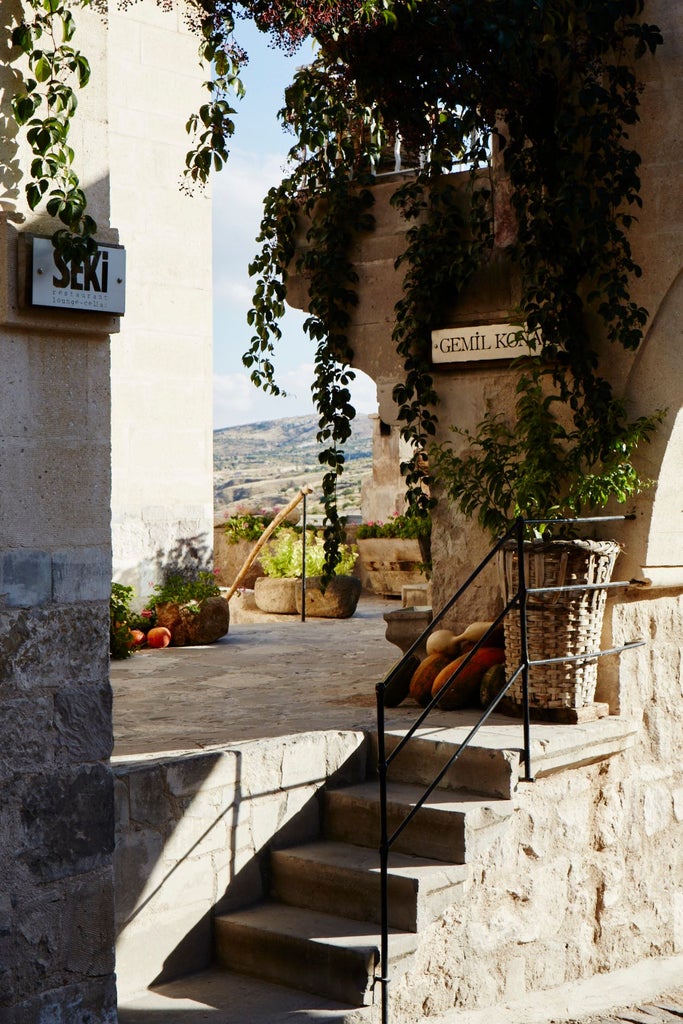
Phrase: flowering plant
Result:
[247,525]
[406,526]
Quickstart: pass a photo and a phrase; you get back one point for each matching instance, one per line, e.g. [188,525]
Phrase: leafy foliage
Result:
[247,526]
[550,87]
[407,527]
[120,616]
[45,108]
[185,589]
[536,467]
[284,557]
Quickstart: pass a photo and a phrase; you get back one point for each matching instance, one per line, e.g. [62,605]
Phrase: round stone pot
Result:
[274,595]
[338,602]
[194,625]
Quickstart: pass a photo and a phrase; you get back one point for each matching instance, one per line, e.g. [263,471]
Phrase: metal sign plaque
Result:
[96,284]
[483,341]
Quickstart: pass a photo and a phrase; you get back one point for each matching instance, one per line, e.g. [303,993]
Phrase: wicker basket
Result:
[559,624]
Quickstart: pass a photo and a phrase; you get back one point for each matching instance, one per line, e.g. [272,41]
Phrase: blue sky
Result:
[257,156]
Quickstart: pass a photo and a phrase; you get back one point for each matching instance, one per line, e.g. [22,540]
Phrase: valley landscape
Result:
[261,466]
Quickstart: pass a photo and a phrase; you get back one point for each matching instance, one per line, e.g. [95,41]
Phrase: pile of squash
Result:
[475,681]
[157,637]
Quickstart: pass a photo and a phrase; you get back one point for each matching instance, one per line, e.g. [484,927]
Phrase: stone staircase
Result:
[318,931]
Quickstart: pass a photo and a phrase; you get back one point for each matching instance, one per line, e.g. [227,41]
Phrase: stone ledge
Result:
[554,747]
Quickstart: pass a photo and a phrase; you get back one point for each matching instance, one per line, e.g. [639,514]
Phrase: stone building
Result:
[637,883]
[598,848]
[74,481]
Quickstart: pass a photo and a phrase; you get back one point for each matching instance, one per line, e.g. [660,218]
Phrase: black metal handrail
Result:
[518,601]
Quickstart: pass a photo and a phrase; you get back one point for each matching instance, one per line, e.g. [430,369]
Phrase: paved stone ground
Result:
[265,678]
[667,1010]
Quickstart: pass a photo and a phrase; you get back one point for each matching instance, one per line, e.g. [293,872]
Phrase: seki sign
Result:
[97,283]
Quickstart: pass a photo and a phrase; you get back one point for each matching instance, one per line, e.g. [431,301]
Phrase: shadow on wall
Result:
[193,839]
[10,82]
[187,557]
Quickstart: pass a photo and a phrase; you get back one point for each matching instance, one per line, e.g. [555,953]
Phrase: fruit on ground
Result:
[399,685]
[443,641]
[464,690]
[137,638]
[159,637]
[424,675]
[492,682]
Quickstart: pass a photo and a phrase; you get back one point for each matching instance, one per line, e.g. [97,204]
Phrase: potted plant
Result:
[396,553]
[190,606]
[534,466]
[281,589]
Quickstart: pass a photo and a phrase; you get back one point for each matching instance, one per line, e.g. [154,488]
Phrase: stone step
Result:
[224,997]
[330,956]
[487,770]
[344,879]
[452,826]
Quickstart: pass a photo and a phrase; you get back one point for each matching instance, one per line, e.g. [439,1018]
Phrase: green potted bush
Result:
[395,553]
[281,591]
[190,605]
[535,467]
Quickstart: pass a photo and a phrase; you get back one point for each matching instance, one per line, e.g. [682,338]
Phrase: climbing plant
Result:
[551,89]
[45,106]
[546,88]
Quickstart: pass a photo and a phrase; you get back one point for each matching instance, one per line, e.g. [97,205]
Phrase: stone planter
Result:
[276,595]
[338,602]
[389,563]
[195,625]
[404,626]
[228,559]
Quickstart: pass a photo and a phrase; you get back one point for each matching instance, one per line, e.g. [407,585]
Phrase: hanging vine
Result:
[45,106]
[340,139]
[552,83]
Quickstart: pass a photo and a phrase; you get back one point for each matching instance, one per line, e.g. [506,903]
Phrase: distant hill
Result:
[263,465]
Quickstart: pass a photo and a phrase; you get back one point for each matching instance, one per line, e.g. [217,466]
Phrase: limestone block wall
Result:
[162,458]
[589,876]
[57,809]
[192,837]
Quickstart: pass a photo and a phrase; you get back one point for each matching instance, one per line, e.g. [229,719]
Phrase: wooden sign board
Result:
[479,343]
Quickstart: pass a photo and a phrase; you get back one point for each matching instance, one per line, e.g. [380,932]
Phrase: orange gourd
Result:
[158,637]
[137,638]
[464,691]
[420,688]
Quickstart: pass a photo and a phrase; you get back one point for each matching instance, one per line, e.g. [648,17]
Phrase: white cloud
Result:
[237,401]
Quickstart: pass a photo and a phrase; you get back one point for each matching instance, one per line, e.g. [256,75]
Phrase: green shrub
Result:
[284,556]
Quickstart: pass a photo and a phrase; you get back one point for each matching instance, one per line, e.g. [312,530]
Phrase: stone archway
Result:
[654,544]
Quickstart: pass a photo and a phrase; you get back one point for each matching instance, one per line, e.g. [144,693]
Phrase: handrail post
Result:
[383,854]
[303,563]
[522,594]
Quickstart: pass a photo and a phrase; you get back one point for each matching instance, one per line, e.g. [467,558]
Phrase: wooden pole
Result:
[253,554]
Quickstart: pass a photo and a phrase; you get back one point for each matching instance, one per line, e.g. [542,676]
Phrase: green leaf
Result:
[42,69]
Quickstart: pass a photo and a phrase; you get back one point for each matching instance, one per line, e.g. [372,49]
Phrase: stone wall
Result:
[162,456]
[193,834]
[56,450]
[588,877]
[57,816]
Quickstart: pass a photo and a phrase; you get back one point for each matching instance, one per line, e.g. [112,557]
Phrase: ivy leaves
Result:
[212,126]
[45,107]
